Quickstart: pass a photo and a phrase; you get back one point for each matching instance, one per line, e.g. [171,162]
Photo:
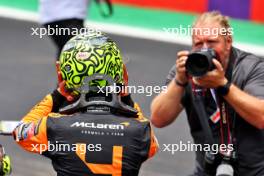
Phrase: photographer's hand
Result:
[181,75]
[212,79]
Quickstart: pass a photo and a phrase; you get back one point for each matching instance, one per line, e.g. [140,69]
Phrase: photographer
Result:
[234,88]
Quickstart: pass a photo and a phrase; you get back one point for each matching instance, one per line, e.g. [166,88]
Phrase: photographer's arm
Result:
[167,106]
[247,106]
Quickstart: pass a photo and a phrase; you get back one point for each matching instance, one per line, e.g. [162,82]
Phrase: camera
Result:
[218,165]
[200,62]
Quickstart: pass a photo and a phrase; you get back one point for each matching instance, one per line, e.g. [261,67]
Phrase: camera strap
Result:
[225,123]
[225,131]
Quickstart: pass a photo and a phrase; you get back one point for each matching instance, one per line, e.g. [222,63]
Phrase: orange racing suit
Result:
[87,144]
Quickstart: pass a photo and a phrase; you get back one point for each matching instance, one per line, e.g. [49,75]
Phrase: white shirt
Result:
[54,10]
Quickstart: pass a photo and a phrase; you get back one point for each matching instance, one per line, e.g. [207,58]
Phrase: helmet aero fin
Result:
[115,104]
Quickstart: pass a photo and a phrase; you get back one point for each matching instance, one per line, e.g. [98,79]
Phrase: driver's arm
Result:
[31,133]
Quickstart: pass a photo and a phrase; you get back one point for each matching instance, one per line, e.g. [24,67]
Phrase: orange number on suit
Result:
[115,168]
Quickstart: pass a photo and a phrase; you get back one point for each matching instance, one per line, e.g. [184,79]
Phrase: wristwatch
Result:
[180,84]
[223,90]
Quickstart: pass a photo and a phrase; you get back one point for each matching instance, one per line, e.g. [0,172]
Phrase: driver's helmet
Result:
[5,163]
[87,54]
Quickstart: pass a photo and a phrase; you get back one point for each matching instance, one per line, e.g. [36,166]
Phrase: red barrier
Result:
[256,10]
[193,6]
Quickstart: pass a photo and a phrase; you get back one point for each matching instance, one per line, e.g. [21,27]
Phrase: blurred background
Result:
[27,63]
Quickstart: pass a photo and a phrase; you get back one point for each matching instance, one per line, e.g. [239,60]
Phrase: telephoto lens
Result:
[200,62]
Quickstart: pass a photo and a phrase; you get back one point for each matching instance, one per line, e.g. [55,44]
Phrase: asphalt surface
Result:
[27,74]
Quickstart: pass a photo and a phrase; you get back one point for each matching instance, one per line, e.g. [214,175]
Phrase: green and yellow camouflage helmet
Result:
[6,166]
[87,54]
